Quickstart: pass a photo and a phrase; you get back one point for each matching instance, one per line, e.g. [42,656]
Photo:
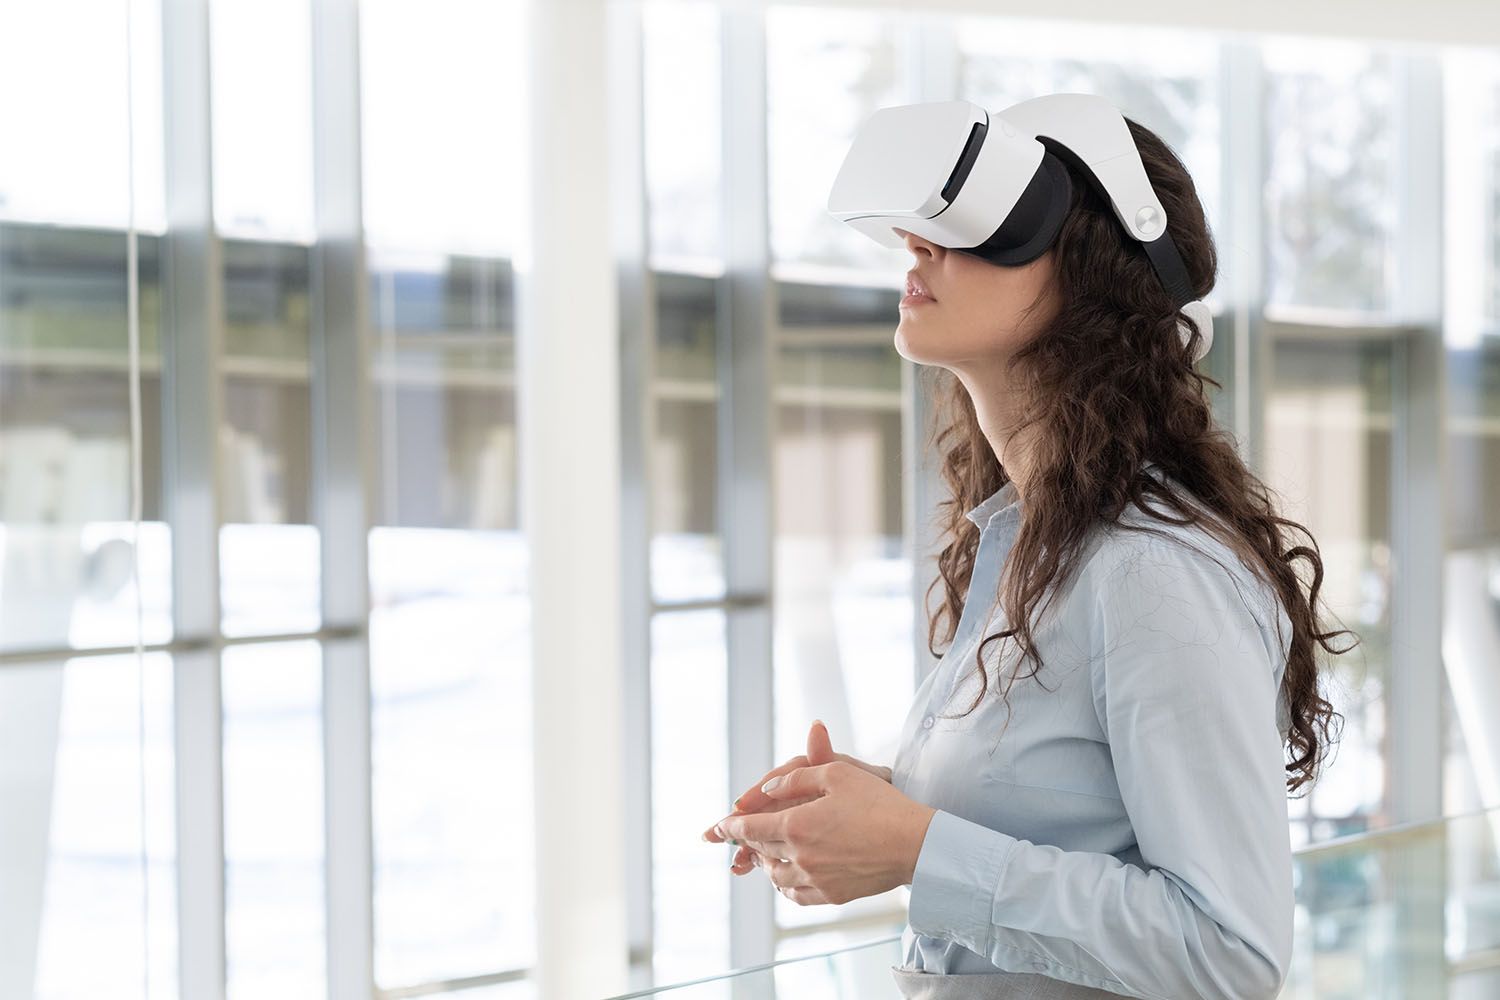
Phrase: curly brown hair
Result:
[1110,386]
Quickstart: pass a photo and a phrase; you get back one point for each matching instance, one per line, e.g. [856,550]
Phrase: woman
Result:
[1107,815]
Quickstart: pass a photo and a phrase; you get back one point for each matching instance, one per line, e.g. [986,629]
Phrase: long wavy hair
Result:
[1109,385]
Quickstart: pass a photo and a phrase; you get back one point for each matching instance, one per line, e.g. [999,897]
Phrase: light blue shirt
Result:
[1128,831]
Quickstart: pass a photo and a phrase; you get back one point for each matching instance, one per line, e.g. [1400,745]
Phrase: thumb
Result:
[819,745]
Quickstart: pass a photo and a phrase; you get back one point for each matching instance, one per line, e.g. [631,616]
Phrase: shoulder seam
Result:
[1151,539]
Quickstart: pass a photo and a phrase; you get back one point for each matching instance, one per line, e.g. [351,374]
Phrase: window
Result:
[450,614]
[826,72]
[1330,225]
[1330,150]
[273,819]
[1471,316]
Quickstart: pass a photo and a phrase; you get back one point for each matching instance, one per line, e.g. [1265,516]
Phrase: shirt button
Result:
[927,722]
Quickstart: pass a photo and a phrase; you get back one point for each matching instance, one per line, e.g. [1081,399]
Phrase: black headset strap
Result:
[1171,270]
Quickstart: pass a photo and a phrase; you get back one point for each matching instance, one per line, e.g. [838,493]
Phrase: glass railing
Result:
[1409,912]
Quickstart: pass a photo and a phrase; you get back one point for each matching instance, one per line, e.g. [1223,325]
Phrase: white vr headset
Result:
[995,186]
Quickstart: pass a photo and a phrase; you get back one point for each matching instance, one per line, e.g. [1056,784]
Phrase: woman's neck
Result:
[998,407]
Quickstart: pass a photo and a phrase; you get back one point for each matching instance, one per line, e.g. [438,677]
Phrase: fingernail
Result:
[771,785]
[733,841]
[719,830]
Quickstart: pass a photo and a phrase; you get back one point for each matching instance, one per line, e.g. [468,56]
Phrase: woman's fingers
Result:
[820,751]
[753,799]
[764,833]
[744,860]
[770,847]
[793,883]
[714,835]
[819,745]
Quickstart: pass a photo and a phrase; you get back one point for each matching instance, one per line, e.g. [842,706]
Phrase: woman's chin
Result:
[902,347]
[916,349]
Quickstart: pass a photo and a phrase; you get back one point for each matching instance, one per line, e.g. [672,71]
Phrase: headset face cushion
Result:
[1033,222]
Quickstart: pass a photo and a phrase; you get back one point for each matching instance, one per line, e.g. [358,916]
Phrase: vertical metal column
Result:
[746,313]
[1419,481]
[568,371]
[343,484]
[1243,246]
[192,317]
[924,489]
[934,55]
[637,337]
[1419,517]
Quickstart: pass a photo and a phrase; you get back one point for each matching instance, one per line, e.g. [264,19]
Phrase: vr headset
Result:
[995,185]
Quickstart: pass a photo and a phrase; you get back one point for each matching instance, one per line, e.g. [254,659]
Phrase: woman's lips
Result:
[916,290]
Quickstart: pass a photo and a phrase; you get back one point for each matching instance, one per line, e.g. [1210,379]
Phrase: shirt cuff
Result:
[956,879]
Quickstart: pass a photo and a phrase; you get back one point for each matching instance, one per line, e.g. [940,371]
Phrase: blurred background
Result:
[306,306]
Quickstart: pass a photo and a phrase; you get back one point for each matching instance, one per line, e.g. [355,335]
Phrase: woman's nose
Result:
[918,245]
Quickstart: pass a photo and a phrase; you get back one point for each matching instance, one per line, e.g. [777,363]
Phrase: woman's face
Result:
[975,311]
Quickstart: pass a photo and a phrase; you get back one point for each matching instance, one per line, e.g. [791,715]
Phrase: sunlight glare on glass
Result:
[262,118]
[442,124]
[64,117]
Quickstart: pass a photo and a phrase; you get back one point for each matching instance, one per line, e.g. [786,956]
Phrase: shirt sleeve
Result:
[1185,682]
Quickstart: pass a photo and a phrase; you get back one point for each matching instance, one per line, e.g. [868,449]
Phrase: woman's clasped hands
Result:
[826,827]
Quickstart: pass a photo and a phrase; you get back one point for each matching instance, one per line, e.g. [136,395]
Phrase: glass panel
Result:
[1471,330]
[87,852]
[843,616]
[262,122]
[65,534]
[450,660]
[863,971]
[806,943]
[1167,80]
[268,549]
[444,367]
[1410,913]
[681,66]
[441,86]
[826,72]
[273,819]
[1328,456]
[687,559]
[522,989]
[449,626]
[72,880]
[690,790]
[69,133]
[1329,192]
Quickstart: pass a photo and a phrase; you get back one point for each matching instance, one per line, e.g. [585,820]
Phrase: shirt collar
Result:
[1007,500]
[1004,499]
